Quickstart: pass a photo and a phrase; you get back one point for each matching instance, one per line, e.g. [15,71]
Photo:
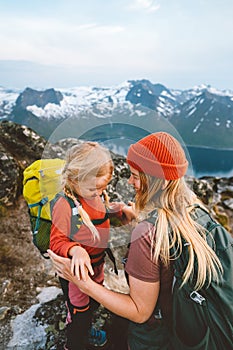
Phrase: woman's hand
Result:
[129,211]
[61,265]
[63,268]
[115,207]
[80,263]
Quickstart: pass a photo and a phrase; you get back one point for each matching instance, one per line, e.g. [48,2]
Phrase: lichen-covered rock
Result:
[10,177]
[19,147]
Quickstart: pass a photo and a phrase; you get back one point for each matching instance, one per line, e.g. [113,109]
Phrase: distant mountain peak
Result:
[31,97]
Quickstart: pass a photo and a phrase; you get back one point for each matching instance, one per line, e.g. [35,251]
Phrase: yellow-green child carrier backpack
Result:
[41,183]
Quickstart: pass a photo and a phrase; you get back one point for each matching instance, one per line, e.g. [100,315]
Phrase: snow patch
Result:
[27,334]
[196,128]
[166,94]
[228,123]
[192,111]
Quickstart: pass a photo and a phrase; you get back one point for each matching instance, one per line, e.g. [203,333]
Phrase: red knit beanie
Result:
[159,155]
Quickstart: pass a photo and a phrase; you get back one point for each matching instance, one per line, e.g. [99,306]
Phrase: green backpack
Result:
[203,319]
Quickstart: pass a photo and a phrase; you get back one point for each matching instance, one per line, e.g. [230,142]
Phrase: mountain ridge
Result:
[202,115]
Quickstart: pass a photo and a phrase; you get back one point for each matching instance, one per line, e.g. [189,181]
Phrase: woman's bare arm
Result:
[137,306]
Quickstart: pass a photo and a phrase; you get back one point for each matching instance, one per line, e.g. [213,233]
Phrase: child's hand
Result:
[62,267]
[80,263]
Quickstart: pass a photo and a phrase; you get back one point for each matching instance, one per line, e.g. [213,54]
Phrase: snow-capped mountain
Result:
[202,115]
[153,96]
[75,100]
[208,116]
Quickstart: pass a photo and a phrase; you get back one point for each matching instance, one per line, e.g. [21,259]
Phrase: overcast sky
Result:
[68,43]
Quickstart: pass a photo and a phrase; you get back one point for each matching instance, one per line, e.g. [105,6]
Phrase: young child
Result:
[86,174]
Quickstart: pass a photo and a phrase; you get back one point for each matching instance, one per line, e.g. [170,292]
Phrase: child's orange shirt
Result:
[60,241]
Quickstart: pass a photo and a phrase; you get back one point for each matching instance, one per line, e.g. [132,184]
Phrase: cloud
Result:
[107,30]
[53,41]
[147,5]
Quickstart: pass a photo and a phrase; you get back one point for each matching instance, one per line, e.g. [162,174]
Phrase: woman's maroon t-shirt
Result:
[140,265]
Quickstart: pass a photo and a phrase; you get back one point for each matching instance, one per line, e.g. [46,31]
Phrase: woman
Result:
[163,205]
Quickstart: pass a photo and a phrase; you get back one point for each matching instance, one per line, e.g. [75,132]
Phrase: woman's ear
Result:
[165,184]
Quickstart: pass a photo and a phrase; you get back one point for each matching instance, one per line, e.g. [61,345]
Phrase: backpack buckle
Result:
[198,298]
[44,201]
[158,314]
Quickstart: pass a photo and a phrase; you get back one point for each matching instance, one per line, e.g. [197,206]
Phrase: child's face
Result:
[93,187]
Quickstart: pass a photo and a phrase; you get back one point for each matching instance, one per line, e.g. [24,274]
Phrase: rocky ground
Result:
[24,273]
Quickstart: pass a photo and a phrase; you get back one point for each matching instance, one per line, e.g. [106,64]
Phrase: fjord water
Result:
[211,161]
[204,161]
[117,134]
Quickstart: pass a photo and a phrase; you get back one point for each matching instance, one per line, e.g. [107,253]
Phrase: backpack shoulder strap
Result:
[76,220]
[152,216]
[59,195]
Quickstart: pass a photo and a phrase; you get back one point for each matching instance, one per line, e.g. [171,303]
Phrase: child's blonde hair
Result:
[85,160]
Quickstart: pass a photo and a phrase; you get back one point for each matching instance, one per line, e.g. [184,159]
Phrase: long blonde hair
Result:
[174,200]
[85,160]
